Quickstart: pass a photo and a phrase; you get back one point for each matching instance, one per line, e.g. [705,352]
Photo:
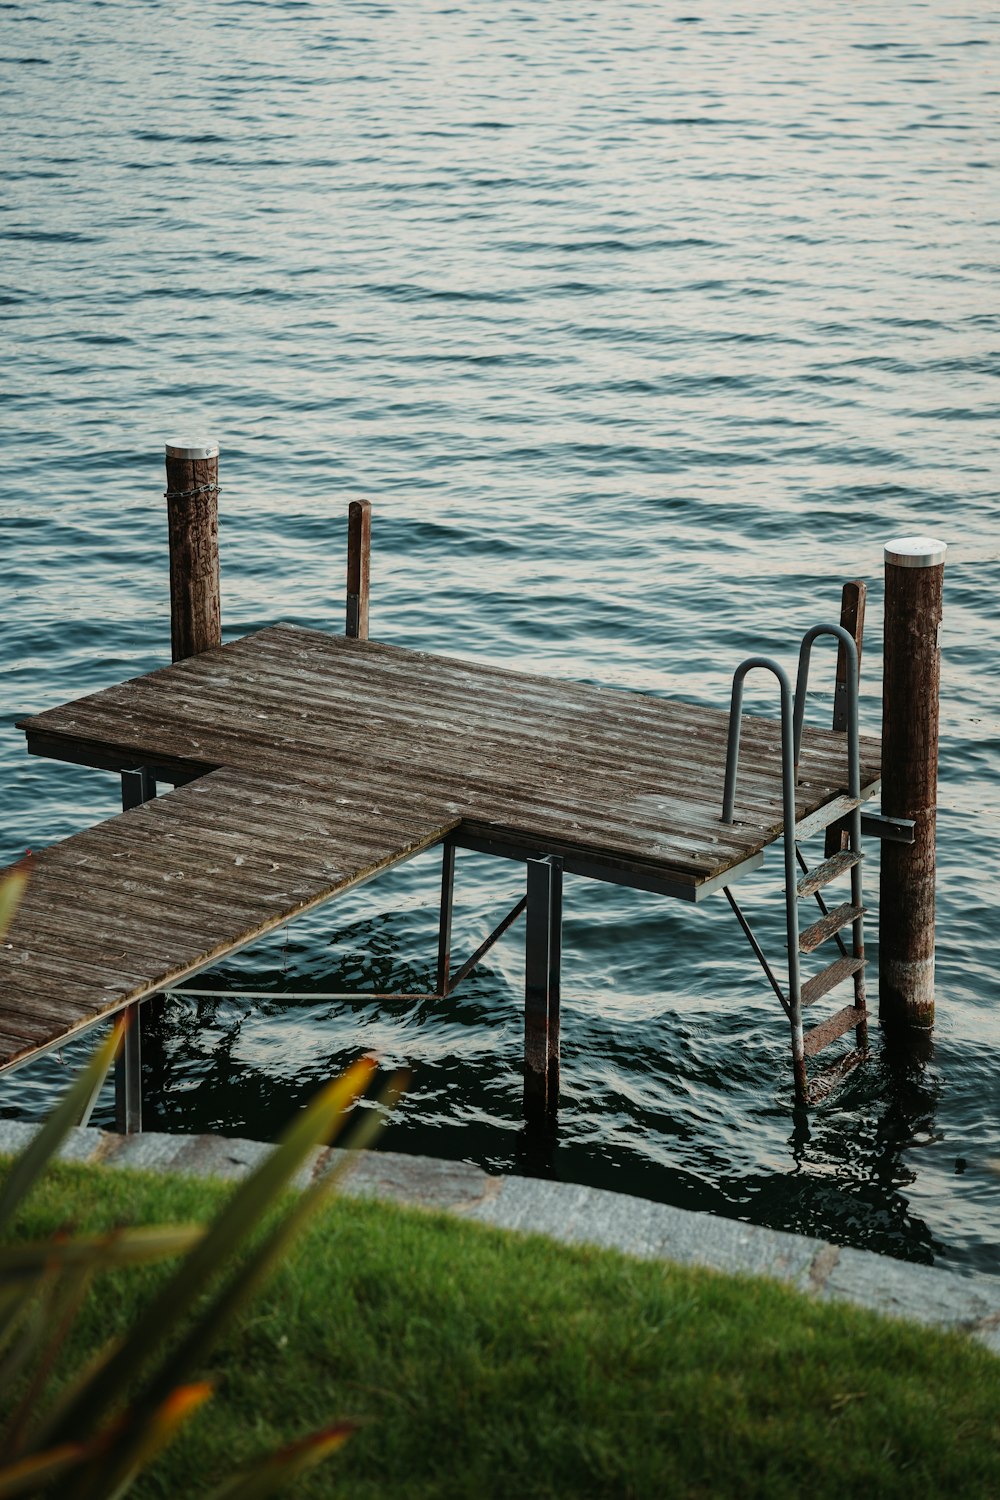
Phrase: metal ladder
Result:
[800,886]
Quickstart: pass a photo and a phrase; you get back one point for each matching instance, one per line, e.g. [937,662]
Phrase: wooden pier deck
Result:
[306,763]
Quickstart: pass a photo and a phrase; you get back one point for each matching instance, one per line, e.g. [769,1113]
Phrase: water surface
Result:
[643,328]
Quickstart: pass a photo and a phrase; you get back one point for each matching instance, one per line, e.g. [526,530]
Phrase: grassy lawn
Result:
[485,1364]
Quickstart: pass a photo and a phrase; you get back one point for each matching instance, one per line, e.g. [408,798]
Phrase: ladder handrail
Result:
[792,718]
[736,723]
[801,685]
[788,808]
[853,777]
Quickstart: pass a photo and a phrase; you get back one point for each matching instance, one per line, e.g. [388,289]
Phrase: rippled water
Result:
[643,327]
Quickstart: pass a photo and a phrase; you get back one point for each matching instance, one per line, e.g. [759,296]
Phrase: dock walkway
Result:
[305,763]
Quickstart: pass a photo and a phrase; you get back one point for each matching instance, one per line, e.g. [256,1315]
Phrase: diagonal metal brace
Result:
[485,946]
[758,950]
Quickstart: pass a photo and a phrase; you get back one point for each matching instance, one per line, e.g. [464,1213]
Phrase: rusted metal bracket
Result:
[889,830]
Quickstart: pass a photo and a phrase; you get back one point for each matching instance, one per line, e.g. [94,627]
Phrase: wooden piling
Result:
[193,526]
[914,579]
[359,548]
[852,618]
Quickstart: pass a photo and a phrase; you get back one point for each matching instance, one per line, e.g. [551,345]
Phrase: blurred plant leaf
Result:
[285,1465]
[14,1307]
[56,1312]
[27,1477]
[117,1370]
[215,1319]
[30,1165]
[12,888]
[29,1334]
[121,1247]
[115,1469]
[219,1315]
[101,1434]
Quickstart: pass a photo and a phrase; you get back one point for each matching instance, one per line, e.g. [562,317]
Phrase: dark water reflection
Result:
[851,1185]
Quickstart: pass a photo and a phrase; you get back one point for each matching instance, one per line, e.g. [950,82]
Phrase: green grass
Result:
[486,1364]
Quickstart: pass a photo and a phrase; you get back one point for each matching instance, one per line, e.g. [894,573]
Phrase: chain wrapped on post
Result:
[192,494]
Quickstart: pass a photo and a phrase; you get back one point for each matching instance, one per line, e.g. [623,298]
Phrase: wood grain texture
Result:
[359,552]
[193,531]
[322,760]
[911,687]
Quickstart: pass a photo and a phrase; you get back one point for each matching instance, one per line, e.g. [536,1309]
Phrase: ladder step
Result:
[828,1031]
[824,1082]
[818,933]
[830,812]
[828,979]
[836,865]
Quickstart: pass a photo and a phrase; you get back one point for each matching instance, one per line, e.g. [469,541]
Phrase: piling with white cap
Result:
[914,586]
[193,526]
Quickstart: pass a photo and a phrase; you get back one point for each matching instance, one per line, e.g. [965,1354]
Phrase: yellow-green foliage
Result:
[92,1431]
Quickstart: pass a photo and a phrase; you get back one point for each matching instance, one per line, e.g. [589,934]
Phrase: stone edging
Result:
[583,1216]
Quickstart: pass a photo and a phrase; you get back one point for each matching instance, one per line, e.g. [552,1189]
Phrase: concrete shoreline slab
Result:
[576,1215]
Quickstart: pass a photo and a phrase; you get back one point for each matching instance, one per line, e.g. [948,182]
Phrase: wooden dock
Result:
[306,763]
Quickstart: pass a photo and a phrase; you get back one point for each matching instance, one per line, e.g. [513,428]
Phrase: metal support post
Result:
[137,787]
[555,981]
[444,924]
[128,1077]
[543,961]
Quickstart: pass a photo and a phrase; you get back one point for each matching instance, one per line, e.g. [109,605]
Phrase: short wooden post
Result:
[359,549]
[852,618]
[914,580]
[193,526]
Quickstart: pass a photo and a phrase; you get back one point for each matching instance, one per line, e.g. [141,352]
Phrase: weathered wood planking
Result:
[146,898]
[322,760]
[373,714]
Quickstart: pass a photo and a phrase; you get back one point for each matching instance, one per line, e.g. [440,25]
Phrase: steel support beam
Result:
[889,830]
[138,786]
[444,925]
[542,968]
[628,875]
[128,1076]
